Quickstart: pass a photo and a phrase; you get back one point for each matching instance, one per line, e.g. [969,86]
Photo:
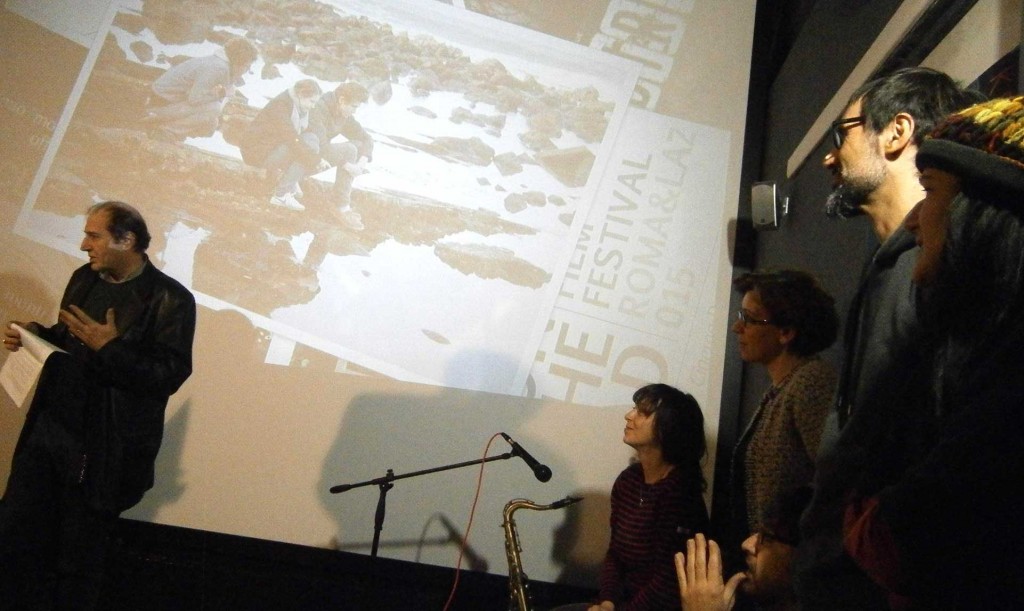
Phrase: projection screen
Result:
[546,219]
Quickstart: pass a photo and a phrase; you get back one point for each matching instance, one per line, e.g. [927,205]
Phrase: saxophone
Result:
[518,584]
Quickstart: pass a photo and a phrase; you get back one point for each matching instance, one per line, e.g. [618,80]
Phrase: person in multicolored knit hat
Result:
[948,534]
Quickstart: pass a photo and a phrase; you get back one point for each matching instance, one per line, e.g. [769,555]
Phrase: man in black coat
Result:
[275,141]
[881,421]
[91,436]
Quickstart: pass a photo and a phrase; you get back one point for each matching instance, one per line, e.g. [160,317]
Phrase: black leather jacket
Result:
[128,383]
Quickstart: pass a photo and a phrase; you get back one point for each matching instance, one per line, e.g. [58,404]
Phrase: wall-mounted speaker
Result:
[764,205]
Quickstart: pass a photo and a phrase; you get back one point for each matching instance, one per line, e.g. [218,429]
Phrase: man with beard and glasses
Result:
[767,581]
[879,421]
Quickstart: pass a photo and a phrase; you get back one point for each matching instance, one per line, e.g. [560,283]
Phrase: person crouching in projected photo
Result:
[657,503]
[187,99]
[275,141]
[340,141]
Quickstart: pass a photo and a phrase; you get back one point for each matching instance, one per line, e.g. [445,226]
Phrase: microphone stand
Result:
[387,483]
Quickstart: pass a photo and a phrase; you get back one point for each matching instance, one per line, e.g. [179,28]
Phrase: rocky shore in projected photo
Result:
[482,162]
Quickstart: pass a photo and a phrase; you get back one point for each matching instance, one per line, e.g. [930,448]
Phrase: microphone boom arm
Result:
[387,482]
[391,477]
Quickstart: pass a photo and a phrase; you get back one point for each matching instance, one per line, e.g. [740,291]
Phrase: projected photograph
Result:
[388,182]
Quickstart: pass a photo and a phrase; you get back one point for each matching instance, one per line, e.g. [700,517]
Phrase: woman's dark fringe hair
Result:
[974,308]
[678,428]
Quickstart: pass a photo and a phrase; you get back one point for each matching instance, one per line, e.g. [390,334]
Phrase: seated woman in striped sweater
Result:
[657,502]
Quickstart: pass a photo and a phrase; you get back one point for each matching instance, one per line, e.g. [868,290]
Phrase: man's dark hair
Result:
[123,219]
[306,88]
[795,300]
[240,52]
[352,92]
[925,94]
[678,428]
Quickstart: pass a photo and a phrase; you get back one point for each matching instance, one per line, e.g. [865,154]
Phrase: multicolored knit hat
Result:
[984,146]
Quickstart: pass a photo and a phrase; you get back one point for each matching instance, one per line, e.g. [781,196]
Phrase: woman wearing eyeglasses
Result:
[785,320]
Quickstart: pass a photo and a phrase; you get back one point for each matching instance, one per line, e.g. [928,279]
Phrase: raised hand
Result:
[699,571]
[93,334]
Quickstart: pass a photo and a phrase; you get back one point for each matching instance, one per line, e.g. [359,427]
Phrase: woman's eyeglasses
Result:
[839,127]
[746,318]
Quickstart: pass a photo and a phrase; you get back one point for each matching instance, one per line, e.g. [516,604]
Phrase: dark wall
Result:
[785,100]
[835,36]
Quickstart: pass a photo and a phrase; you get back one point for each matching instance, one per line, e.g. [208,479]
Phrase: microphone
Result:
[540,471]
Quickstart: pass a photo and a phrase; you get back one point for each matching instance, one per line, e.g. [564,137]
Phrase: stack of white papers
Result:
[21,370]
